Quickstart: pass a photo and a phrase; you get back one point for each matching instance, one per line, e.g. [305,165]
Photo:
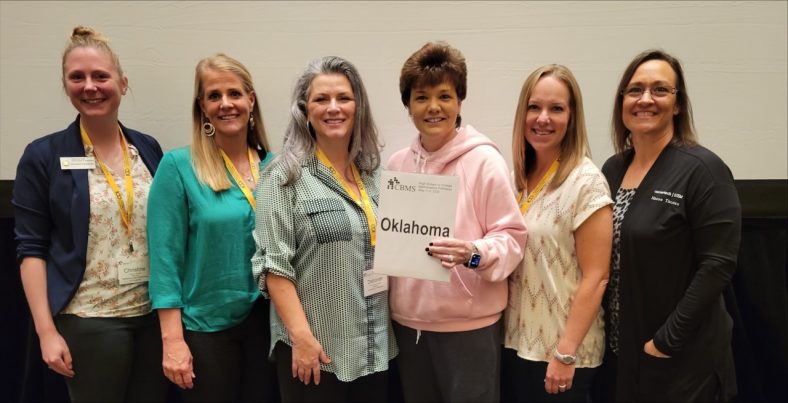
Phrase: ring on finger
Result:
[562,387]
[451,259]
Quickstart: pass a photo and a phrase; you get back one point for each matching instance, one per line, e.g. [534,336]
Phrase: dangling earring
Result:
[208,128]
[251,122]
[310,129]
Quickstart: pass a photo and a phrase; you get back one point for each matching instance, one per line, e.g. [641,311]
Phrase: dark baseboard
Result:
[760,198]
[6,185]
[763,198]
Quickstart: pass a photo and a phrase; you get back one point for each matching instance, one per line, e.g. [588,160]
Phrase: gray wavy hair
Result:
[299,142]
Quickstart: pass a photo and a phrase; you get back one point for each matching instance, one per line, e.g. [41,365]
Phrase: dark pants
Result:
[706,389]
[232,365]
[369,388]
[603,388]
[523,381]
[450,366]
[115,359]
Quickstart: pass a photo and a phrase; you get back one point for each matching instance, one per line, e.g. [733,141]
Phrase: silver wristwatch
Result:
[475,259]
[564,358]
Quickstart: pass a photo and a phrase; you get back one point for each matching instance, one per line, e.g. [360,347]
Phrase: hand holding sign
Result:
[414,210]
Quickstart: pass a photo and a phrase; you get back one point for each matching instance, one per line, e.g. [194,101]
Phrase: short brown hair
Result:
[683,125]
[431,65]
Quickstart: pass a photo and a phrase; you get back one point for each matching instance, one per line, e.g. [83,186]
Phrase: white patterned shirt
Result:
[541,290]
[100,294]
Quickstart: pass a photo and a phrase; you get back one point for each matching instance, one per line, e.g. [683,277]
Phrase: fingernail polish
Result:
[430,243]
[426,249]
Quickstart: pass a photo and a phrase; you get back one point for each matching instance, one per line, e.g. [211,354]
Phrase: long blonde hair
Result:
[208,162]
[575,143]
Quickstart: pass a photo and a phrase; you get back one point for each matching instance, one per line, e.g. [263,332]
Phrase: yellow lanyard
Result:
[126,209]
[364,202]
[542,182]
[237,176]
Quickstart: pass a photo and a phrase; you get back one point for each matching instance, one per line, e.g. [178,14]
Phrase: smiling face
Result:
[547,116]
[649,115]
[434,110]
[331,108]
[226,103]
[93,83]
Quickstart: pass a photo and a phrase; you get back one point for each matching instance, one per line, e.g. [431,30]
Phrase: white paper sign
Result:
[413,210]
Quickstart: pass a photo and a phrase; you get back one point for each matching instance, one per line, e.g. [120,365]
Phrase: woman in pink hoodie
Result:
[450,334]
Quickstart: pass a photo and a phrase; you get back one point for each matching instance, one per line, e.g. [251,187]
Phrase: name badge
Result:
[134,270]
[375,283]
[77,163]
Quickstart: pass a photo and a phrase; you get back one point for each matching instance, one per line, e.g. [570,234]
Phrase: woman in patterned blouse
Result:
[554,330]
[315,234]
[80,200]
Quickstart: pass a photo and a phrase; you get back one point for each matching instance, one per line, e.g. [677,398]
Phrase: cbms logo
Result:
[395,185]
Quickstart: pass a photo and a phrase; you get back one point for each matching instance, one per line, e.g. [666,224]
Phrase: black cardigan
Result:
[679,244]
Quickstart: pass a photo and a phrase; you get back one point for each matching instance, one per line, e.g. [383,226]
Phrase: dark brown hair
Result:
[431,65]
[683,126]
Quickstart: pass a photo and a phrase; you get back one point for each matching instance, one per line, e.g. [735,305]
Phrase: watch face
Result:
[564,358]
[475,260]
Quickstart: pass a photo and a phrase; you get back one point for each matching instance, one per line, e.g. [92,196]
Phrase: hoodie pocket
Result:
[466,285]
[450,301]
[329,219]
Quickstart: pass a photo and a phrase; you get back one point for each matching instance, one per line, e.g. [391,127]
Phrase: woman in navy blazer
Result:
[80,199]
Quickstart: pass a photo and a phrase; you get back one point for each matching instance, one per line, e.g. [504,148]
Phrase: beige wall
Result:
[734,54]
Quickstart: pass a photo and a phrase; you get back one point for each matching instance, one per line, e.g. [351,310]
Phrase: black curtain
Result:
[758,303]
[23,374]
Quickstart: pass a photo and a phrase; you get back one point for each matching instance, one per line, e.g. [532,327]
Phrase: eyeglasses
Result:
[636,92]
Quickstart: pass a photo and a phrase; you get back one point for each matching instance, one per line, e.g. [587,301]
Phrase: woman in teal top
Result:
[200,222]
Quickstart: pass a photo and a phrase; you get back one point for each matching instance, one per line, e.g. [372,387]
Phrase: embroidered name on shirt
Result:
[399,225]
[664,196]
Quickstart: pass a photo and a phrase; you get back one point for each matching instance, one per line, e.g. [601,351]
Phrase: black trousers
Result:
[523,381]
[115,359]
[450,366]
[232,365]
[370,388]
[706,389]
